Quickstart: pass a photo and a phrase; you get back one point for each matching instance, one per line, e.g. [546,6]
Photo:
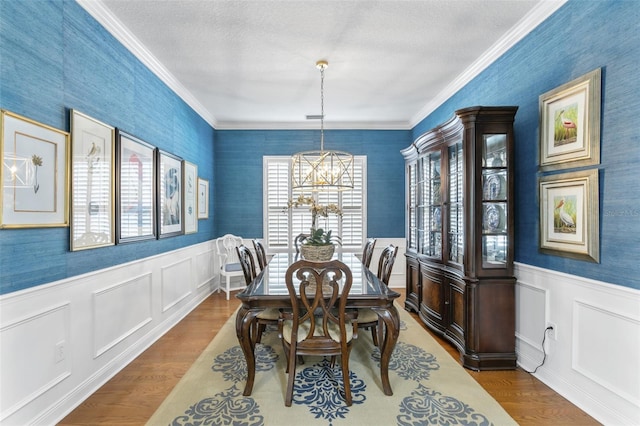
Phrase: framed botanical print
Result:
[569,215]
[136,189]
[34,174]
[170,202]
[570,124]
[190,198]
[203,198]
[92,183]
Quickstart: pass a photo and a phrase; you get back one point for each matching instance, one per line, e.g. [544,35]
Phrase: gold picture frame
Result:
[570,124]
[34,174]
[92,183]
[569,215]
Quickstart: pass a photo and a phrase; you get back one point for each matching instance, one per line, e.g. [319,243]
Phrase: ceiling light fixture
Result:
[322,170]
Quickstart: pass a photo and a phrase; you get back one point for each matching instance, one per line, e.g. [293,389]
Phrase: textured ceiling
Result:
[251,64]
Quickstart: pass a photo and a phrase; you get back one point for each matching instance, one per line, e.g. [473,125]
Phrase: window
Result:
[281,225]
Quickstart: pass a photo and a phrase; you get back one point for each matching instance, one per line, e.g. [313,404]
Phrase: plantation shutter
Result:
[282,224]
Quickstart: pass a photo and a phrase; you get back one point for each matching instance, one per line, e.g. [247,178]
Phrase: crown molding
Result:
[538,14]
[291,125]
[113,25]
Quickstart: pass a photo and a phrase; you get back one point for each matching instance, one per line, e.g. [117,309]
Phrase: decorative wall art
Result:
[92,194]
[136,189]
[190,198]
[34,174]
[203,198]
[569,215]
[570,124]
[170,187]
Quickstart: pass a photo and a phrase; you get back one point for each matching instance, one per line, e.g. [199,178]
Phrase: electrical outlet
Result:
[553,333]
[59,352]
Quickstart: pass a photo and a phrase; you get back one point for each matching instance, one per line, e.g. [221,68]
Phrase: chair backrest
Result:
[385,264]
[298,240]
[226,248]
[367,253]
[246,262]
[260,254]
[322,306]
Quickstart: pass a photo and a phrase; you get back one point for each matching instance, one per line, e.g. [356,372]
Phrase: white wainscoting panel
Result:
[61,341]
[31,341]
[120,310]
[597,346]
[176,283]
[593,361]
[205,267]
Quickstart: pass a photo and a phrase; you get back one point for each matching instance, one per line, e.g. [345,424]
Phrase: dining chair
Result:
[318,323]
[267,316]
[368,318]
[367,252]
[298,240]
[228,260]
[261,255]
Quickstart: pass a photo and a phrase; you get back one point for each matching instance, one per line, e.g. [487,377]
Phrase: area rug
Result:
[429,387]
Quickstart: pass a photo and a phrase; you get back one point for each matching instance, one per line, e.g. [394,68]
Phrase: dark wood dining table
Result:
[269,290]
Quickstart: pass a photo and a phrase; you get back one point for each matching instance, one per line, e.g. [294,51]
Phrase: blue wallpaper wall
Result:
[579,37]
[238,189]
[55,57]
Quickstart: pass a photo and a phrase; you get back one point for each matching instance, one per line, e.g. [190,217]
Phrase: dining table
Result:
[269,290]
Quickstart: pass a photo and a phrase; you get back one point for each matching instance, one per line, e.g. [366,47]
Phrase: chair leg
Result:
[228,286]
[291,369]
[345,378]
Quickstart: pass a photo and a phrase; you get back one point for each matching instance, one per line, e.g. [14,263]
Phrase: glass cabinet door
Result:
[412,177]
[456,207]
[432,200]
[494,201]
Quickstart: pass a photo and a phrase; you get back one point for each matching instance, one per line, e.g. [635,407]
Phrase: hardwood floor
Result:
[133,395]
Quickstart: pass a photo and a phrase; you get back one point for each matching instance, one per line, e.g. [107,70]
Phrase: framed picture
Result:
[170,187]
[92,194]
[136,189]
[569,215]
[570,124]
[203,198]
[34,174]
[190,198]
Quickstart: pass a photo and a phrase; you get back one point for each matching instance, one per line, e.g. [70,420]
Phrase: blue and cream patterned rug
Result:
[429,387]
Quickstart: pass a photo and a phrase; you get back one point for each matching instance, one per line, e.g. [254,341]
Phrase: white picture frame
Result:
[190,198]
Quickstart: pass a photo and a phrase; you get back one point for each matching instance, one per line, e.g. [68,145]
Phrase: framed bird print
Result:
[569,215]
[570,124]
[92,182]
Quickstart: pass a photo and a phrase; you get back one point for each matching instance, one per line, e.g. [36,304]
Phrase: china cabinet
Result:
[459,220]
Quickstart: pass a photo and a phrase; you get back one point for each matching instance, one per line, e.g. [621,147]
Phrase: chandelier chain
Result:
[322,108]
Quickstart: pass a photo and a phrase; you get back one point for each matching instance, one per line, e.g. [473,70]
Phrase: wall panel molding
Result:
[120,310]
[102,327]
[593,362]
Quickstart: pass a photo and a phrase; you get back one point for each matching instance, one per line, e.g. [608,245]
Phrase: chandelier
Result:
[322,170]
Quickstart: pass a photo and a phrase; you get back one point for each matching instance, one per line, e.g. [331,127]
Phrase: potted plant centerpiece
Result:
[320,244]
